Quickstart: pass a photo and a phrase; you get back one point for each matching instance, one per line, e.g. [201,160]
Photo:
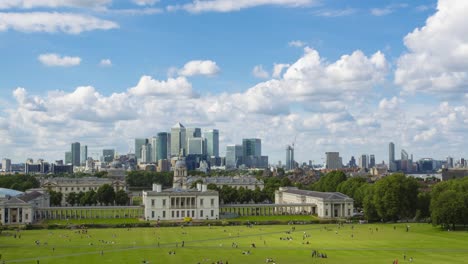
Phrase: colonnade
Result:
[88,212]
[267,209]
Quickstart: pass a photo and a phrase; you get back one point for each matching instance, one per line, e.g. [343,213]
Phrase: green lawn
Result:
[111,221]
[274,218]
[361,244]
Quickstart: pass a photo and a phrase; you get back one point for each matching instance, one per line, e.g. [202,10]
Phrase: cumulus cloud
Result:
[55,60]
[147,86]
[390,104]
[437,58]
[52,22]
[259,72]
[105,63]
[27,4]
[199,6]
[199,67]
[278,69]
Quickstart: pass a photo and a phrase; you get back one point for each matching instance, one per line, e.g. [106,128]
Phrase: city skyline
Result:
[334,77]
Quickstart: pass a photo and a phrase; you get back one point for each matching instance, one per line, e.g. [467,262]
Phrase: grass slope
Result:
[361,244]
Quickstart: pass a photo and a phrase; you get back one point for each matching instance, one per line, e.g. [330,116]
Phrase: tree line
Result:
[19,182]
[105,195]
[145,179]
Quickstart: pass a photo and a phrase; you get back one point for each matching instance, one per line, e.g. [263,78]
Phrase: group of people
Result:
[316,254]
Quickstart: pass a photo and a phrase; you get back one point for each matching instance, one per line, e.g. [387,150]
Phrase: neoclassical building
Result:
[20,209]
[246,181]
[180,202]
[325,204]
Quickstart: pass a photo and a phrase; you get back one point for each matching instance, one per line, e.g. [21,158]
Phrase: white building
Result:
[245,181]
[20,209]
[178,203]
[327,204]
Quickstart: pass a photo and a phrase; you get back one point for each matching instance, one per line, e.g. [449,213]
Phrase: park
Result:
[243,243]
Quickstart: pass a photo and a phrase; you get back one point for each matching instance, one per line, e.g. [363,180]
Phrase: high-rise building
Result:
[372,161]
[251,147]
[289,158]
[449,162]
[178,140]
[6,165]
[162,146]
[75,152]
[212,143]
[233,156]
[68,158]
[352,162]
[138,143]
[391,157]
[108,155]
[154,149]
[145,153]
[333,160]
[192,132]
[363,161]
[83,155]
[196,146]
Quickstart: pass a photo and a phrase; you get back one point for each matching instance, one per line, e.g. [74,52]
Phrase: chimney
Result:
[157,187]
[204,187]
[199,187]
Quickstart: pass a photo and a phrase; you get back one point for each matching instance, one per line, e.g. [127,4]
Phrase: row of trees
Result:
[449,203]
[105,195]
[144,179]
[19,182]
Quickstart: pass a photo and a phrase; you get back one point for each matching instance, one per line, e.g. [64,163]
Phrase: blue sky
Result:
[355,74]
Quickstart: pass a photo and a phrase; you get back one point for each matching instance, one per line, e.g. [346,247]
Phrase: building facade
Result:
[333,160]
[178,140]
[15,210]
[212,142]
[75,154]
[327,204]
[6,165]
[162,146]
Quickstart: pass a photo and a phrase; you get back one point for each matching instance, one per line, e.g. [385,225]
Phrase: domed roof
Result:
[180,164]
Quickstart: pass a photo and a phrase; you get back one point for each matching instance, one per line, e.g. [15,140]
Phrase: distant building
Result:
[178,140]
[363,161]
[327,204]
[352,162]
[20,209]
[289,158]
[371,161]
[139,142]
[75,153]
[391,157]
[251,147]
[448,174]
[212,143]
[145,153]
[6,165]
[108,155]
[333,160]
[68,157]
[83,155]
[247,182]
[196,146]
[163,145]
[154,149]
[233,156]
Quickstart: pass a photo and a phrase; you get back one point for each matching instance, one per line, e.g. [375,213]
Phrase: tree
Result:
[80,198]
[106,194]
[121,198]
[351,188]
[55,198]
[71,198]
[330,182]
[449,203]
[396,197]
[368,205]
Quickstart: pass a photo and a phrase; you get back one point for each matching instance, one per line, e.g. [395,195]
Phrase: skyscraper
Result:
[108,155]
[75,152]
[145,153]
[68,157]
[212,143]
[138,143]
[154,149]
[391,157]
[178,140]
[372,161]
[6,165]
[233,156]
[363,161]
[251,147]
[83,155]
[192,132]
[333,160]
[196,146]
[162,146]
[289,158]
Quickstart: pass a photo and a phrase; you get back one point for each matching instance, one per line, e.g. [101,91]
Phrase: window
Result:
[72,188]
[201,213]
[172,202]
[172,214]
[26,216]
[66,188]
[77,188]
[60,188]
[349,211]
[177,213]
[326,212]
[201,202]
[212,202]
[182,213]
[152,202]
[193,213]
[152,214]
[212,213]
[164,214]
[164,202]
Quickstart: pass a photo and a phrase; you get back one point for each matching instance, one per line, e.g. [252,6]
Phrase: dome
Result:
[180,164]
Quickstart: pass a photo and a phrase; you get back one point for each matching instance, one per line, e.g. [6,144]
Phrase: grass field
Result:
[346,244]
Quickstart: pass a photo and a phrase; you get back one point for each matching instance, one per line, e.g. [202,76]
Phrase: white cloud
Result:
[105,63]
[145,2]
[199,6]
[28,4]
[52,22]
[387,9]
[52,59]
[390,104]
[259,72]
[296,43]
[335,12]
[278,69]
[133,11]
[147,86]
[199,67]
[437,58]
